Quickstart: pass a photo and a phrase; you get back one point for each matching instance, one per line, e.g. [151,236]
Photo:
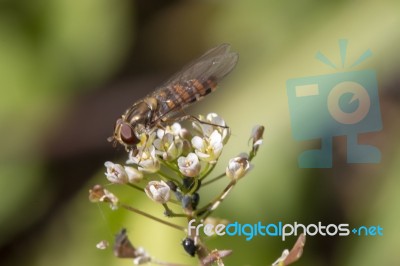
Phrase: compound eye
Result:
[128,136]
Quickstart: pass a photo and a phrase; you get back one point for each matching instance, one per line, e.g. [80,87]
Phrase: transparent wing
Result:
[216,63]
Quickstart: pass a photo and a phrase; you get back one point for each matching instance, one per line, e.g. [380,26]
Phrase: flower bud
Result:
[134,175]
[185,134]
[172,185]
[190,202]
[158,191]
[186,147]
[237,168]
[257,137]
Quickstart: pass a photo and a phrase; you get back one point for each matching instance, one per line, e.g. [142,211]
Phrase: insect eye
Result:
[189,246]
[128,135]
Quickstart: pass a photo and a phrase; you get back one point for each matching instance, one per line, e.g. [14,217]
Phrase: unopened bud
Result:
[237,168]
[158,191]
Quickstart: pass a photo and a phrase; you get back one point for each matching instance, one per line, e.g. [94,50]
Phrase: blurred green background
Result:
[68,68]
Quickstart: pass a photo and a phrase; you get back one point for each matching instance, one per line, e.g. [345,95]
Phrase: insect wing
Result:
[206,71]
[216,63]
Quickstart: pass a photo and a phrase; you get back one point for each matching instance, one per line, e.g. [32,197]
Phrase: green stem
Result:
[251,155]
[173,201]
[214,179]
[202,174]
[168,177]
[210,207]
[129,208]
[207,171]
[171,166]
[135,187]
[170,213]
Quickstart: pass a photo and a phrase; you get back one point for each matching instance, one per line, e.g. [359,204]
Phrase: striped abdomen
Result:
[177,96]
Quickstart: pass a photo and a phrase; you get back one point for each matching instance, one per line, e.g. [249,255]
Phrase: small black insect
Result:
[189,246]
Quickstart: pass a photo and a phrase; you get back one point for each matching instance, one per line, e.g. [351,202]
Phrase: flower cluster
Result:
[190,155]
[171,164]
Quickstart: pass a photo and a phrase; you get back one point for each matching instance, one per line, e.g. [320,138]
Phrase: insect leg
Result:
[193,118]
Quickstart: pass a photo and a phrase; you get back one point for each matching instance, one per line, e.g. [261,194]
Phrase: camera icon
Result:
[339,104]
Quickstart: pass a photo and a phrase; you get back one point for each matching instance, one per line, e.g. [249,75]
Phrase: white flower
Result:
[237,167]
[168,147]
[179,132]
[175,129]
[134,175]
[116,173]
[158,191]
[146,159]
[214,122]
[189,165]
[208,148]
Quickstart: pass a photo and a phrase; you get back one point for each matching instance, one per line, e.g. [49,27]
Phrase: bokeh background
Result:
[68,68]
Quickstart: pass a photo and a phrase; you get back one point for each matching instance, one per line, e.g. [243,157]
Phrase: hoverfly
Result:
[190,85]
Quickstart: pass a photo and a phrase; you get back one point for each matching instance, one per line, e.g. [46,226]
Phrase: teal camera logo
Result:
[338,104]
